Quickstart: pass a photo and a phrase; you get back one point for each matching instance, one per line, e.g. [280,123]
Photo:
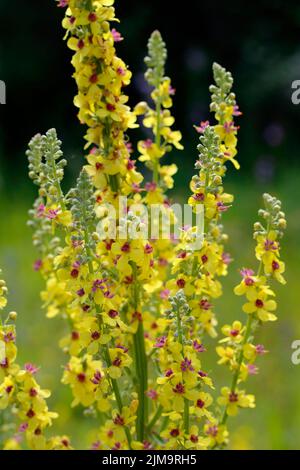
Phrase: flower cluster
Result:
[24,412]
[101,76]
[240,351]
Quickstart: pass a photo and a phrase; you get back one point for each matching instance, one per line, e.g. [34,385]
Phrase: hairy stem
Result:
[157,140]
[140,364]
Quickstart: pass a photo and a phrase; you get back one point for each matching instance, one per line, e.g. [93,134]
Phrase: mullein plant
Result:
[138,310]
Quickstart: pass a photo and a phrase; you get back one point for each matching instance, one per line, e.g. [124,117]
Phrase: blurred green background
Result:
[261,46]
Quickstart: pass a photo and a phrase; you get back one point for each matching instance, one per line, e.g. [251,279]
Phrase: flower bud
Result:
[282,223]
[12,316]
[141,108]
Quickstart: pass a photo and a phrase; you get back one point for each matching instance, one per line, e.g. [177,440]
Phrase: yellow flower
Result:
[149,151]
[261,305]
[217,434]
[7,388]
[227,133]
[166,172]
[233,332]
[80,374]
[119,360]
[249,284]
[275,268]
[195,441]
[204,400]
[267,246]
[235,400]
[227,355]
[163,93]
[175,393]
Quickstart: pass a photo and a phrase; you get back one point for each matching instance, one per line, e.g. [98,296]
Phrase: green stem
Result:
[140,364]
[157,140]
[155,418]
[195,266]
[179,328]
[117,393]
[186,416]
[114,183]
[164,424]
[58,188]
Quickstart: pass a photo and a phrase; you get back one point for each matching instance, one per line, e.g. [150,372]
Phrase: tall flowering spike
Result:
[240,352]
[159,119]
[197,271]
[223,104]
[100,76]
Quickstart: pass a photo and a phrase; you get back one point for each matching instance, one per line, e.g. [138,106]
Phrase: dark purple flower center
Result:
[179,388]
[186,365]
[81,377]
[200,403]
[119,420]
[180,283]
[233,397]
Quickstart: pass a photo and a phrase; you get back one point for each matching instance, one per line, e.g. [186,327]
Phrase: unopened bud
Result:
[141,108]
[12,316]
[282,223]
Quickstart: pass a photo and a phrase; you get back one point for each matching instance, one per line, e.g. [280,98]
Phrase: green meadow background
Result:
[261,47]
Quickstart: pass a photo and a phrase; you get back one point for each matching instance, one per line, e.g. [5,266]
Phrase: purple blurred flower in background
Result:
[195,59]
[274,134]
[264,169]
